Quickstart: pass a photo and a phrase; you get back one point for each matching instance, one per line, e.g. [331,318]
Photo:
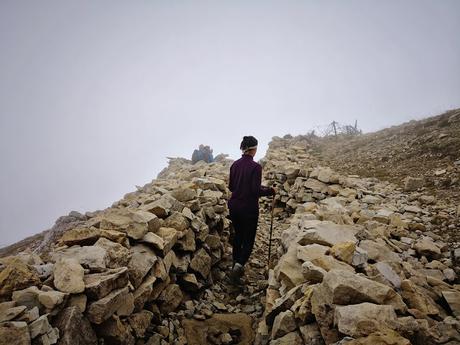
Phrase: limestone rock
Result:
[81,236]
[311,334]
[27,297]
[8,314]
[99,285]
[385,337]
[329,263]
[134,223]
[14,333]
[326,233]
[117,255]
[92,257]
[313,273]
[416,299]
[142,260]
[116,332]
[177,221]
[453,299]
[78,301]
[201,263]
[315,185]
[289,268]
[187,241]
[292,338]
[139,322]
[348,288]
[39,326]
[68,276]
[426,247]
[169,236]
[283,324]
[74,328]
[344,251]
[16,276]
[51,299]
[379,251]
[170,298]
[311,251]
[104,308]
[184,194]
[362,319]
[388,273]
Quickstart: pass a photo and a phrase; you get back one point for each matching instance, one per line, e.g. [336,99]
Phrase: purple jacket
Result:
[245,185]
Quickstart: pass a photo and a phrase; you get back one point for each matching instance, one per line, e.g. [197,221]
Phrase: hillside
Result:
[357,260]
[427,149]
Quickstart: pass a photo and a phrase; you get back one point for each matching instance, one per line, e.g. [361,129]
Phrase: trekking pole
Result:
[271,230]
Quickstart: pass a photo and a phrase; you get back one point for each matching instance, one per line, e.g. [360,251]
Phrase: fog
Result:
[94,95]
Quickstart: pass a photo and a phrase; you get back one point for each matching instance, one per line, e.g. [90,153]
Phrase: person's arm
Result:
[257,187]
[230,180]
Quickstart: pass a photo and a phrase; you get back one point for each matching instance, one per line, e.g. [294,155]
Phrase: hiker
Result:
[204,153]
[245,185]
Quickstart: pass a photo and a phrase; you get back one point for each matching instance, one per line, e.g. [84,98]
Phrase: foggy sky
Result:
[95,94]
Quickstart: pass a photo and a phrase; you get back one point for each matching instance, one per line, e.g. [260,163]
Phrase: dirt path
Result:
[248,299]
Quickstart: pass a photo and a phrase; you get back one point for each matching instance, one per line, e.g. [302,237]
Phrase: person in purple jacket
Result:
[245,184]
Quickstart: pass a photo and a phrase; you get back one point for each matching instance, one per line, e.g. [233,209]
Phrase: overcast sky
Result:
[95,94]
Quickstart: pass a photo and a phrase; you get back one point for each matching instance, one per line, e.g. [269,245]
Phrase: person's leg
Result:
[238,236]
[249,236]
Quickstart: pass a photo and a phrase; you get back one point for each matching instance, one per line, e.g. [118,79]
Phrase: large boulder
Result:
[326,233]
[345,287]
[362,319]
[94,258]
[135,223]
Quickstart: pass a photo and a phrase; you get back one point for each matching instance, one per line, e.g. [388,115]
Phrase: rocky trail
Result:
[355,260]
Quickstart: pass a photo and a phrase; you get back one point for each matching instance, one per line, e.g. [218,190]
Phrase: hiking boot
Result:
[236,273]
[238,269]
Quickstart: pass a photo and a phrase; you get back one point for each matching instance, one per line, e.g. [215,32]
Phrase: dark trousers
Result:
[245,226]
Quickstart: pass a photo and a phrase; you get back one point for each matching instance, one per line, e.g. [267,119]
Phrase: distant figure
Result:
[204,153]
[245,184]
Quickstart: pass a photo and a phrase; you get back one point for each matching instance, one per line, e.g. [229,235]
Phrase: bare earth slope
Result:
[428,148]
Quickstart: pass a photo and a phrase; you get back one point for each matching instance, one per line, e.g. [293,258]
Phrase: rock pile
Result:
[121,274]
[360,262]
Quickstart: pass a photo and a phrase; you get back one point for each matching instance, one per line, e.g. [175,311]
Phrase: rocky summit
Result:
[355,260]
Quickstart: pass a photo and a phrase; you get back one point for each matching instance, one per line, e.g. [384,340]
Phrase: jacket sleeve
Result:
[256,186]
[230,180]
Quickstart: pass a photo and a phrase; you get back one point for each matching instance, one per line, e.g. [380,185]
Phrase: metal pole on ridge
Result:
[271,231]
